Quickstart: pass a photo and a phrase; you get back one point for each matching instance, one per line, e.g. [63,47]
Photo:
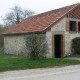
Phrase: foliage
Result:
[76,45]
[13,62]
[1,29]
[15,16]
[36,45]
[1,38]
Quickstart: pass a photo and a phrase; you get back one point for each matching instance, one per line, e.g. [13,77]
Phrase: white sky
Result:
[39,6]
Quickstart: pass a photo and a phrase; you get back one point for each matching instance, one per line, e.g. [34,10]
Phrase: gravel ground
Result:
[57,73]
[73,58]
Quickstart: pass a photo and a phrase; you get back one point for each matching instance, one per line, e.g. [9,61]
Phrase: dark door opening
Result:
[57,46]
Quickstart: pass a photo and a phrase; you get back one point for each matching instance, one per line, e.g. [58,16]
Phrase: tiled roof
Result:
[40,22]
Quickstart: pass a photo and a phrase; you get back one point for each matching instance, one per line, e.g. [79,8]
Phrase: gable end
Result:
[66,14]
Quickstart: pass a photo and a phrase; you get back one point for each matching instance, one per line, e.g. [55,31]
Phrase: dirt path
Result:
[43,74]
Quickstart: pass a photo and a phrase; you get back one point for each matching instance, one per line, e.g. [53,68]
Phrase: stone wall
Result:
[69,35]
[68,38]
[60,28]
[14,44]
[49,41]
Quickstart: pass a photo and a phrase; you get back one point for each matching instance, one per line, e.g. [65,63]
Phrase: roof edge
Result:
[22,33]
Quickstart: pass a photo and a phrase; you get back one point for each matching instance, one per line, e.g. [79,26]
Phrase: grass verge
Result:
[12,62]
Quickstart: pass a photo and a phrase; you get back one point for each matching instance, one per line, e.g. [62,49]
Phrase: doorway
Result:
[57,45]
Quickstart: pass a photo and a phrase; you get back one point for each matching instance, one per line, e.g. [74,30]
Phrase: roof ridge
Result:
[55,9]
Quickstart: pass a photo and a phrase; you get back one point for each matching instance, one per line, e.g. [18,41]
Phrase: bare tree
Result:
[36,45]
[15,16]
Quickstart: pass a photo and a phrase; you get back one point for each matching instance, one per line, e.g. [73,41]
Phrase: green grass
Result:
[12,62]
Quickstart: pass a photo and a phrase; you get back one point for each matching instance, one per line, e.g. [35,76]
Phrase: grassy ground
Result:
[12,62]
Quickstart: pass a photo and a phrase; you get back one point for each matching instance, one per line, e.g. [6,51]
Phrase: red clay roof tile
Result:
[40,22]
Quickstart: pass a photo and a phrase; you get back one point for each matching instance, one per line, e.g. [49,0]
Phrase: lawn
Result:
[12,62]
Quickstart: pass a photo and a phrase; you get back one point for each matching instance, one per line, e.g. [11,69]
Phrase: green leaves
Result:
[36,45]
[76,45]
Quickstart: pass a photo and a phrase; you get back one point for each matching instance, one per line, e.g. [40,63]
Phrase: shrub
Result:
[76,45]
[1,38]
[1,43]
[36,45]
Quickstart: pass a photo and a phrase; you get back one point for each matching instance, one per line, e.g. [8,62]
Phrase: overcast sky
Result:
[39,6]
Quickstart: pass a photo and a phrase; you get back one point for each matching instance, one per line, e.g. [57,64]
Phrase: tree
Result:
[36,45]
[15,16]
[1,38]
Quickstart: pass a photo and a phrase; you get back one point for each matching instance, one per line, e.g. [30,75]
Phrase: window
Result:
[72,25]
[78,26]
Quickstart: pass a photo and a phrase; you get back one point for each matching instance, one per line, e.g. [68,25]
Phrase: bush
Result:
[36,45]
[1,43]
[1,38]
[76,45]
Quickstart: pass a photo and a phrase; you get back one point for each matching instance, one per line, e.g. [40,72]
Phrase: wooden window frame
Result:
[72,26]
[78,26]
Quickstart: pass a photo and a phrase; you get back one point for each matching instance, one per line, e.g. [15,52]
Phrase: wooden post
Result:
[63,45]
[76,26]
[53,48]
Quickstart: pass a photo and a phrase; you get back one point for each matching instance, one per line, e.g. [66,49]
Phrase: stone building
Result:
[60,26]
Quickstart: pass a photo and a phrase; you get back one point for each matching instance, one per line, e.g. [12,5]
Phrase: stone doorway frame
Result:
[62,33]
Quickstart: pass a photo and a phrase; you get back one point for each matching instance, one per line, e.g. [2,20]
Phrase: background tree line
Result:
[16,15]
[1,38]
